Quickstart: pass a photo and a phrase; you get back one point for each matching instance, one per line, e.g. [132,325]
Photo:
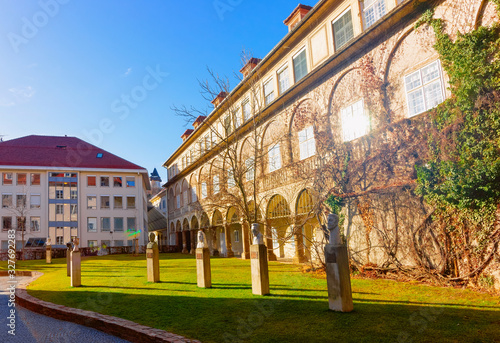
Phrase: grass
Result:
[297,310]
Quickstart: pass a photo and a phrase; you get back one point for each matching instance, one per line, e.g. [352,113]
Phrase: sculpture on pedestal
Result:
[201,240]
[257,236]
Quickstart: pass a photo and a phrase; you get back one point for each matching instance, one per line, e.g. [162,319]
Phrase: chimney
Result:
[298,13]
[251,64]
[219,98]
[186,134]
[198,121]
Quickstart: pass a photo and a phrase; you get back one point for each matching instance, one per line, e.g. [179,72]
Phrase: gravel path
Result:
[35,328]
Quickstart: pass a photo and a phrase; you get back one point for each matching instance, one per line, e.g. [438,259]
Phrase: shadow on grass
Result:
[280,319]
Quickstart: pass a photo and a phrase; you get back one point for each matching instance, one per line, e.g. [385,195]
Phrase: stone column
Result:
[76,269]
[258,263]
[337,270]
[230,252]
[245,232]
[299,247]
[269,242]
[48,252]
[153,259]
[184,243]
[215,242]
[193,245]
[68,259]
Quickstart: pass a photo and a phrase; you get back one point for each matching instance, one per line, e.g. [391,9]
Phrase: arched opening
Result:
[278,219]
[186,237]
[235,230]
[180,241]
[220,234]
[308,223]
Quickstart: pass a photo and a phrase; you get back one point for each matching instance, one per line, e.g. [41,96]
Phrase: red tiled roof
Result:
[187,133]
[57,152]
[253,61]
[298,8]
[200,119]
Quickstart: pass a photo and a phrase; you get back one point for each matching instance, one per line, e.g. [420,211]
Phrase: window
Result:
[91,181]
[21,223]
[178,201]
[268,92]
[117,181]
[35,224]
[307,144]
[236,236]
[73,209]
[74,194]
[194,196]
[424,89]
[7,179]
[91,224]
[355,123]
[343,30]
[300,65]
[118,221]
[373,10]
[118,202]
[21,201]
[59,240]
[207,142]
[105,224]
[185,199]
[131,224]
[230,179]
[118,243]
[92,202]
[21,179]
[104,202]
[274,158]
[59,209]
[250,174]
[104,181]
[6,200]
[216,184]
[59,194]
[6,223]
[283,80]
[130,202]
[92,243]
[246,110]
[35,201]
[228,125]
[204,192]
[130,181]
[35,179]
[236,118]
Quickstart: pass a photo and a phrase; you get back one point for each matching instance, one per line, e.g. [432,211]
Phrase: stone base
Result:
[153,264]
[203,270]
[260,270]
[338,278]
[76,269]
[48,255]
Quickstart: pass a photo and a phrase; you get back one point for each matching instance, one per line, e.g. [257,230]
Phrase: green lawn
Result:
[297,310]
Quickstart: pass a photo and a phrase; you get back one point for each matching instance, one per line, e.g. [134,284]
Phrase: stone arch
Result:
[304,115]
[178,226]
[278,218]
[304,203]
[185,193]
[171,199]
[232,215]
[185,225]
[194,223]
[216,167]
[307,222]
[278,208]
[251,210]
[204,221]
[217,218]
[193,185]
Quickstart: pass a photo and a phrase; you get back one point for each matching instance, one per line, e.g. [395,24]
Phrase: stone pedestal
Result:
[338,278]
[76,269]
[153,264]
[68,262]
[260,270]
[48,254]
[203,270]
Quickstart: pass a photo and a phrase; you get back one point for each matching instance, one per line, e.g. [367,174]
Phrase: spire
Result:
[155,176]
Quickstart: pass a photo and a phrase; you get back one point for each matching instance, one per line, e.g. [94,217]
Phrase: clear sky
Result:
[109,71]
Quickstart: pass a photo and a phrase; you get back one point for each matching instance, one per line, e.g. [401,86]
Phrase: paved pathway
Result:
[35,328]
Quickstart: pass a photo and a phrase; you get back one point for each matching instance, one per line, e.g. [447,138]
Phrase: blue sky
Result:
[109,71]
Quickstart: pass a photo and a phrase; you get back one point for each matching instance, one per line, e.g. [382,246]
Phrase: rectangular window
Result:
[104,202]
[21,201]
[230,179]
[236,236]
[236,118]
[21,179]
[274,158]
[59,209]
[118,221]
[249,164]
[21,223]
[300,65]
[92,243]
[307,144]
[204,192]
[59,194]
[424,89]
[216,184]
[7,179]
[6,200]
[117,181]
[91,224]
[343,30]
[207,142]
[59,240]
[73,209]
[130,181]
[268,92]
[228,127]
[35,201]
[118,202]
[118,243]
[105,243]
[35,179]
[92,202]
[247,113]
[104,181]
[373,10]
[74,194]
[105,224]
[130,202]
[178,201]
[185,199]
[355,123]
[35,224]
[283,80]
[91,181]
[131,224]
[194,196]
[6,223]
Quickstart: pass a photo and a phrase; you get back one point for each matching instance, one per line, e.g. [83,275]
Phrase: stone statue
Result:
[152,241]
[201,240]
[48,241]
[333,227]
[76,243]
[257,236]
